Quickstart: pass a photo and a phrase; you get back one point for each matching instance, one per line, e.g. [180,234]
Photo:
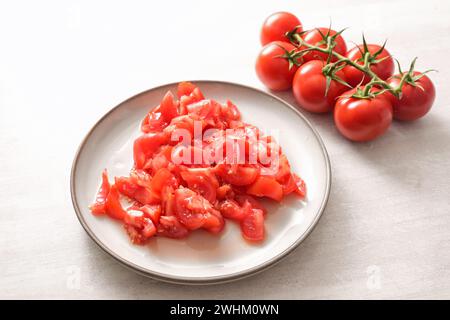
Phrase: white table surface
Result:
[386,230]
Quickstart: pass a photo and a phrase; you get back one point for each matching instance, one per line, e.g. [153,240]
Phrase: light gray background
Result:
[63,64]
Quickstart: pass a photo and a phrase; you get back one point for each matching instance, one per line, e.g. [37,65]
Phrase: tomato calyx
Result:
[293,57]
[329,71]
[410,77]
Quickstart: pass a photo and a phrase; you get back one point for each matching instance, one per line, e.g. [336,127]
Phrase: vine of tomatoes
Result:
[358,85]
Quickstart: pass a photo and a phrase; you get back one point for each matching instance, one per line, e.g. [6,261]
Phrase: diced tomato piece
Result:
[185,88]
[170,227]
[230,209]
[266,187]
[191,208]
[301,186]
[237,175]
[135,236]
[153,121]
[163,177]
[169,107]
[224,191]
[214,222]
[98,207]
[152,211]
[201,180]
[143,195]
[255,204]
[140,177]
[252,226]
[145,146]
[113,206]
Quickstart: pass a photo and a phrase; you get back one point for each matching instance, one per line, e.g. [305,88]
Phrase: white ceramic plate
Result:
[204,258]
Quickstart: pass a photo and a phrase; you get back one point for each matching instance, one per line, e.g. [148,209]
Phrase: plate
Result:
[203,258]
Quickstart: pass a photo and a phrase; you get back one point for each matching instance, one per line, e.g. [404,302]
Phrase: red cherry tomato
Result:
[317,37]
[362,119]
[309,87]
[273,69]
[276,26]
[98,207]
[415,101]
[383,69]
[252,225]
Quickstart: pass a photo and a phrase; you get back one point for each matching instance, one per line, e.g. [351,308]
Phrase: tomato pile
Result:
[195,165]
[359,85]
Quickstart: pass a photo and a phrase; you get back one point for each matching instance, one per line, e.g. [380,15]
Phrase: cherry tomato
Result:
[415,101]
[383,69]
[272,69]
[309,87]
[362,119]
[317,37]
[252,225]
[98,207]
[276,26]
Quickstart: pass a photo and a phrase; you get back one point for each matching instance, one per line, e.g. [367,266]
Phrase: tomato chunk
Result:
[266,187]
[113,206]
[98,207]
[252,225]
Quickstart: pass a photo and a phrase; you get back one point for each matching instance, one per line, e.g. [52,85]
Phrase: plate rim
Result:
[201,280]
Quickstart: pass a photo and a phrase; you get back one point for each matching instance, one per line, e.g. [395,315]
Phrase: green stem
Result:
[375,80]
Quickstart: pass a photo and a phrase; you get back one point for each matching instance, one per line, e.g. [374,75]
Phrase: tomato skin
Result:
[252,226]
[273,70]
[313,37]
[309,88]
[113,206]
[414,102]
[276,25]
[266,187]
[383,69]
[362,119]
[98,207]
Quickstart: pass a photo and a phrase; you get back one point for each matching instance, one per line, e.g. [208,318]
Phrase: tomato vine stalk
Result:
[331,67]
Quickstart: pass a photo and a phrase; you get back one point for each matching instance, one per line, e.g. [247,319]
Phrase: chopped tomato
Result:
[301,186]
[129,188]
[202,181]
[98,207]
[169,107]
[196,165]
[152,211]
[113,206]
[252,226]
[266,187]
[230,209]
[170,227]
[237,175]
[145,146]
[163,177]
[185,89]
